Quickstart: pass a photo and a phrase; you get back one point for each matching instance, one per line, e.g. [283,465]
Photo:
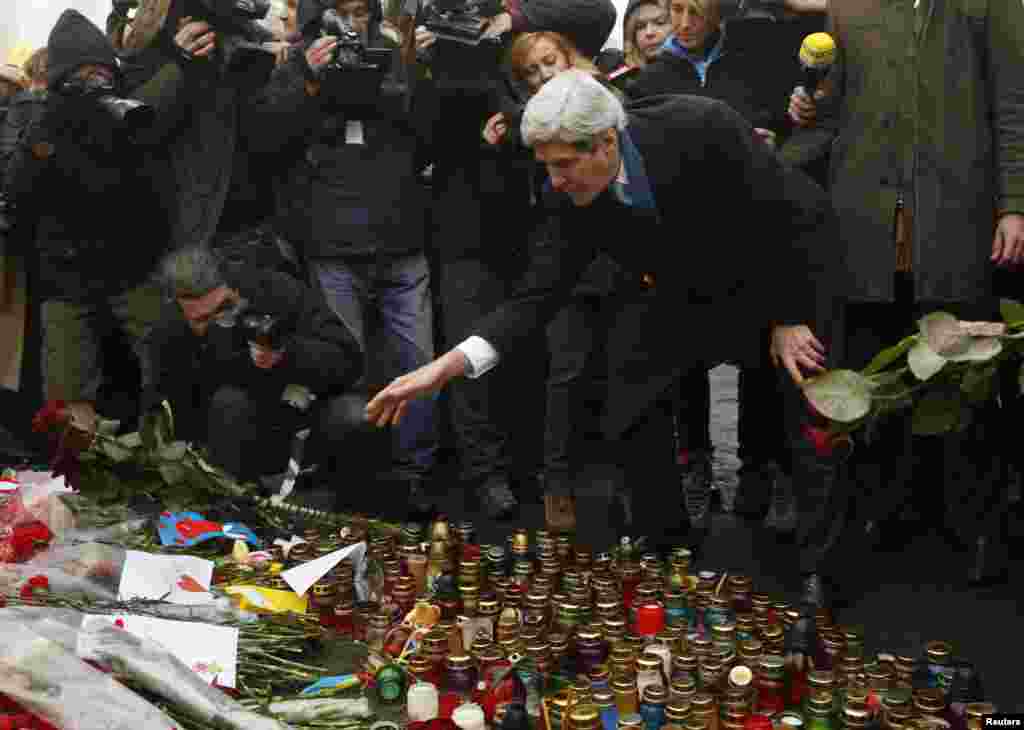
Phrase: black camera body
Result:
[266,331]
[130,115]
[232,19]
[463,21]
[351,54]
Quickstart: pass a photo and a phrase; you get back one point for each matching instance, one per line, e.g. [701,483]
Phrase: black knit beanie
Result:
[75,42]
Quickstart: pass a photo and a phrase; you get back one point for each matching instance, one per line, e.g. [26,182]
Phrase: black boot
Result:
[421,508]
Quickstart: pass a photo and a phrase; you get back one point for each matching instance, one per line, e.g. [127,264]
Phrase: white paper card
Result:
[301,577]
[210,651]
[174,578]
[354,132]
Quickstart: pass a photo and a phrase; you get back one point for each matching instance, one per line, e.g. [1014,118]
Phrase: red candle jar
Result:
[650,619]
[631,577]
[757,721]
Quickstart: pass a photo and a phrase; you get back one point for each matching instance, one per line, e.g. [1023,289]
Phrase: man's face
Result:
[356,13]
[582,174]
[93,73]
[691,27]
[200,311]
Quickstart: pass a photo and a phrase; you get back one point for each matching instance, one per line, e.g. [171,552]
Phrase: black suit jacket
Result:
[738,243]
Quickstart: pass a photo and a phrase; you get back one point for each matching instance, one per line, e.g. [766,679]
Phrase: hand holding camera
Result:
[321,52]
[267,339]
[195,38]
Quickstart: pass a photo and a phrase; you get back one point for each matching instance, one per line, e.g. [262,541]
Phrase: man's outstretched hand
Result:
[798,351]
[389,405]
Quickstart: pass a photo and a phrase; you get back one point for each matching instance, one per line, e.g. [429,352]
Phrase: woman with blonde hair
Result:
[645,26]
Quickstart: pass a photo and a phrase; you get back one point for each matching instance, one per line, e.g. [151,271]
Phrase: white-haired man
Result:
[719,237]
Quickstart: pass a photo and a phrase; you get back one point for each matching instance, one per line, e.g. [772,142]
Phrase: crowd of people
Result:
[276,216]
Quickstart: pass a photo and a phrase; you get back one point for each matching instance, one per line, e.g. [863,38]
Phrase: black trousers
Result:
[574,390]
[487,412]
[250,434]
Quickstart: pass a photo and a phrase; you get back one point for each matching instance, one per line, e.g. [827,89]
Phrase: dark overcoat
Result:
[737,242]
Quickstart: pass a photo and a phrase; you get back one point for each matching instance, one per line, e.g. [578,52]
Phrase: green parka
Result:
[928,102]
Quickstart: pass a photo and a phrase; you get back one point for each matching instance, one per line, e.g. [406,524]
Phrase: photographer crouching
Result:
[226,354]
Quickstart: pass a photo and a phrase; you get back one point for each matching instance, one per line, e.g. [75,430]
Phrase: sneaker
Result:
[497,500]
[695,478]
[559,513]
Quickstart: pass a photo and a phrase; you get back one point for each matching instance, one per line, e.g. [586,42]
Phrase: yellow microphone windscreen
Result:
[818,50]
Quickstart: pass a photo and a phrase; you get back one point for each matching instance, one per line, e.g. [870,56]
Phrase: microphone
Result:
[817,54]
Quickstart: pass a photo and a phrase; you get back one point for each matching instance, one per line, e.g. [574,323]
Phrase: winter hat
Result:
[587,23]
[75,42]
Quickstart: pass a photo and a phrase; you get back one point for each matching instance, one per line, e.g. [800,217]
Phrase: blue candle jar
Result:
[652,706]
[605,701]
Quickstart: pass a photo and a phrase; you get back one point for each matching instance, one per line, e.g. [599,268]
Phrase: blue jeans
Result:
[394,292]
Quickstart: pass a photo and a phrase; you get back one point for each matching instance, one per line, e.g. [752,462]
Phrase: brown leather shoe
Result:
[559,513]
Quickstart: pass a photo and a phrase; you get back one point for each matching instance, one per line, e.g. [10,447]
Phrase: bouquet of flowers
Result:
[941,374]
[46,679]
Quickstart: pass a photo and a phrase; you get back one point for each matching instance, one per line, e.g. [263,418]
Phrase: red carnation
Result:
[26,539]
[827,445]
[36,583]
[52,416]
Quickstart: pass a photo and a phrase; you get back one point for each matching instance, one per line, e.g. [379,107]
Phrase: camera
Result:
[130,114]
[351,54]
[266,331]
[232,18]
[463,21]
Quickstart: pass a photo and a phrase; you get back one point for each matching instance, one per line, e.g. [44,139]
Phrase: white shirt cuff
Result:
[481,355]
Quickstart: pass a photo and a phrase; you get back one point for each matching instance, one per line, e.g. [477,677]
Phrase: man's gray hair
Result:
[191,272]
[572,108]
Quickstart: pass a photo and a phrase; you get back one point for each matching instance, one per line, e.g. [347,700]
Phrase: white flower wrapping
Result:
[49,681]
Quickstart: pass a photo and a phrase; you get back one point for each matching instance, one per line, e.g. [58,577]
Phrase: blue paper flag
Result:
[186,529]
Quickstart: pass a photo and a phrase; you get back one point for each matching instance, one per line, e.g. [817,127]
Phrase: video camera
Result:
[131,115]
[231,19]
[463,21]
[351,54]
[266,331]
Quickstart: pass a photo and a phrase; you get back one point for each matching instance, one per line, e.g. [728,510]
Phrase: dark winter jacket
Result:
[754,75]
[320,352]
[89,188]
[218,160]
[340,197]
[733,240]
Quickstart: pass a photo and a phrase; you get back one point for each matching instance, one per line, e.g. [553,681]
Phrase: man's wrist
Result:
[458,364]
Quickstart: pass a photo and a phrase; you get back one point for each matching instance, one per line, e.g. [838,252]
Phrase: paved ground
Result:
[907,599]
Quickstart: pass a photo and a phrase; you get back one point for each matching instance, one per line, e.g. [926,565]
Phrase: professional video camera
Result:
[351,54]
[233,19]
[130,114]
[463,21]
